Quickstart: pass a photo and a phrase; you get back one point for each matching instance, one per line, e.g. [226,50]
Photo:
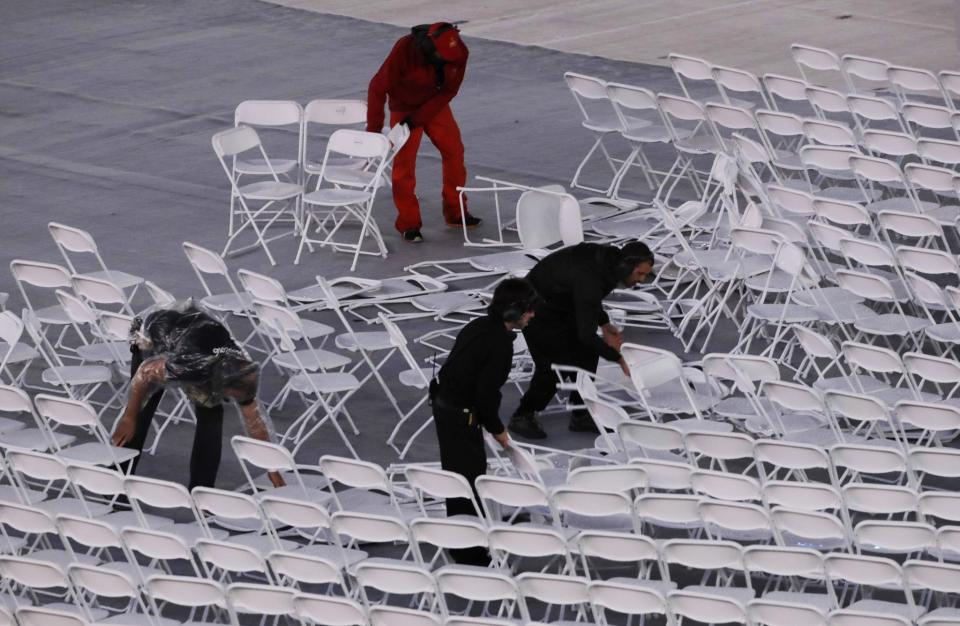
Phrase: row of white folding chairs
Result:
[849,580]
[860,73]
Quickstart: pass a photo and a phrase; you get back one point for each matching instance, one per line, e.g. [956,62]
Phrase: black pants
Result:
[552,342]
[207,440]
[462,451]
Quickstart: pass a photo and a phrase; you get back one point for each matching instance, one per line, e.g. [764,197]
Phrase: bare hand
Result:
[124,431]
[276,479]
[624,367]
[612,336]
[503,439]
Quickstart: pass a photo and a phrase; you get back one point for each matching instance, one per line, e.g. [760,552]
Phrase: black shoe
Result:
[526,425]
[472,222]
[412,235]
[581,422]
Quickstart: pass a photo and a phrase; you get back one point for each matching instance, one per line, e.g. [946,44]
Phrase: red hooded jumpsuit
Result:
[410,81]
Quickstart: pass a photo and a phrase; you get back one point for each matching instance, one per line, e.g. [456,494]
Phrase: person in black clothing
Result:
[466,393]
[184,346]
[572,283]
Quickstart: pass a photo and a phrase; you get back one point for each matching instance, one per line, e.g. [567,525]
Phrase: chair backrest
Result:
[626,598]
[71,239]
[812,58]
[267,113]
[40,616]
[11,329]
[335,112]
[234,141]
[939,150]
[204,260]
[358,143]
[261,286]
[546,218]
[785,87]
[828,133]
[888,142]
[186,591]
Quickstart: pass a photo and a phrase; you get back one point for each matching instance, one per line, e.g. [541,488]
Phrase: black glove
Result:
[408,120]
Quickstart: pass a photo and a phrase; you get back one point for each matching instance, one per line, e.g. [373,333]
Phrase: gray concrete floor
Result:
[107,111]
[751,34]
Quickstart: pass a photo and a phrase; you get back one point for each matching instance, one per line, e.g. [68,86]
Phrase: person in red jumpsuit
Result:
[418,79]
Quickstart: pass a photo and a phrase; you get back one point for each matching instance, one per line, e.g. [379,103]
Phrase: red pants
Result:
[445,135]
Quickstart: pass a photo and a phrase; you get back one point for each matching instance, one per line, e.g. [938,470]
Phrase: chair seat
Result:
[635,227]
[738,407]
[314,167]
[311,360]
[603,123]
[891,324]
[859,383]
[262,167]
[844,312]
[899,204]
[663,586]
[76,375]
[74,506]
[834,295]
[110,352]
[336,197]
[10,493]
[821,601]
[12,545]
[8,425]
[737,594]
[21,353]
[944,333]
[345,557]
[789,313]
[119,519]
[296,492]
[137,619]
[348,176]
[504,262]
[945,215]
[884,607]
[447,301]
[327,382]
[228,302]
[692,423]
[311,328]
[270,190]
[264,544]
[701,144]
[95,453]
[191,531]
[369,341]
[415,378]
[846,194]
[34,439]
[54,315]
[650,134]
[123,280]
[63,558]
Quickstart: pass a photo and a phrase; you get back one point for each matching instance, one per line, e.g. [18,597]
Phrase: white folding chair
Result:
[853,577]
[70,413]
[310,378]
[329,205]
[330,113]
[13,352]
[625,599]
[280,115]
[70,239]
[192,593]
[168,496]
[415,377]
[336,611]
[266,193]
[590,94]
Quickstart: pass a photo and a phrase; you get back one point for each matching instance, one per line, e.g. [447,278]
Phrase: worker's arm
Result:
[150,376]
[253,422]
[589,314]
[386,77]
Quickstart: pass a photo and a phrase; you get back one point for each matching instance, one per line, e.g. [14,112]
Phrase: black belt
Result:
[440,403]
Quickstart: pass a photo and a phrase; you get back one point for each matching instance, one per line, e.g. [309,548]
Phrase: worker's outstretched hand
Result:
[612,336]
[124,431]
[503,439]
[624,367]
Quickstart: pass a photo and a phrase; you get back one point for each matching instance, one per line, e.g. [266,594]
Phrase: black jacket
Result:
[476,369]
[572,283]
